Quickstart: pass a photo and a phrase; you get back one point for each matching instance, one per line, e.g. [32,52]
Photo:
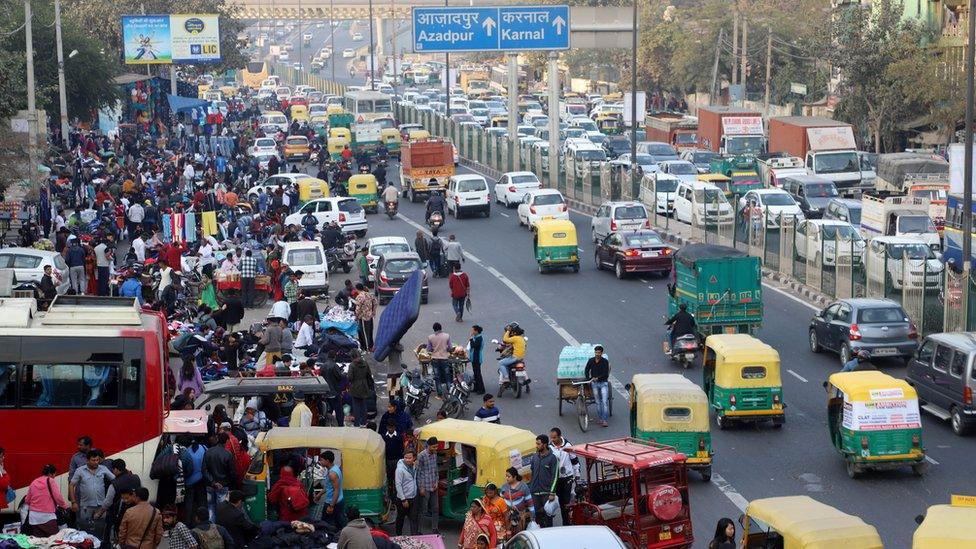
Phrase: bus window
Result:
[364,105]
[8,384]
[69,385]
[383,105]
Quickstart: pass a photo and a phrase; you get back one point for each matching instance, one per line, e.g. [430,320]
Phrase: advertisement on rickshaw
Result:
[881,415]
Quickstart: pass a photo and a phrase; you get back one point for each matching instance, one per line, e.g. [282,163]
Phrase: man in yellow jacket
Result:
[515,337]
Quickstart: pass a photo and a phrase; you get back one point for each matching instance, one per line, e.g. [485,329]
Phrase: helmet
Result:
[514,329]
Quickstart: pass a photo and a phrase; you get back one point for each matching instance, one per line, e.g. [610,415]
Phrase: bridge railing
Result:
[293,77]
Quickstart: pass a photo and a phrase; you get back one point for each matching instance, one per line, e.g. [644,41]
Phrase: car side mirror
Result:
[919,519]
[742,521]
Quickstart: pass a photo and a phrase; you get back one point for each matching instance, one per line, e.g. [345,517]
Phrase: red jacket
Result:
[459,284]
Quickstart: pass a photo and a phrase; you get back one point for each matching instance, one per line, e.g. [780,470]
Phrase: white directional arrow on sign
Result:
[559,23]
[488,25]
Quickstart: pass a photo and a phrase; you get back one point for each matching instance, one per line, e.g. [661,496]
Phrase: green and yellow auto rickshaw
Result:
[392,140]
[741,377]
[363,188]
[670,409]
[801,522]
[609,124]
[555,244]
[311,188]
[359,454]
[874,421]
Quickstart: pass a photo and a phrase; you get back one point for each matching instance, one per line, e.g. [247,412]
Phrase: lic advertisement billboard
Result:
[164,39]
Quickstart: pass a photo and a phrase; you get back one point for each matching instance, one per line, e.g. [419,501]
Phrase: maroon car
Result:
[634,252]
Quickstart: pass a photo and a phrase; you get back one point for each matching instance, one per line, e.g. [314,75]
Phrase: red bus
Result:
[88,366]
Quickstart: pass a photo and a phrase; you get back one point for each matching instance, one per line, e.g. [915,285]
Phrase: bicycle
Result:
[583,398]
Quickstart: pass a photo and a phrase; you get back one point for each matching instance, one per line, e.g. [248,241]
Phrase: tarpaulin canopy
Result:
[398,316]
[183,104]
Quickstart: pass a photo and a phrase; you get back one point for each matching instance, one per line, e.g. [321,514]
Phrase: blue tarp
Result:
[398,316]
[184,104]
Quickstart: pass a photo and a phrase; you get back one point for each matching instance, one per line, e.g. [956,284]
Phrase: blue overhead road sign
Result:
[507,28]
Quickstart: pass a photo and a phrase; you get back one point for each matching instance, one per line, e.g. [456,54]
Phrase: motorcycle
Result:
[415,392]
[458,394]
[435,222]
[391,208]
[685,350]
[336,259]
[518,378]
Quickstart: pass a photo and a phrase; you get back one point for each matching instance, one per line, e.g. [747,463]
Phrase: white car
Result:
[682,169]
[28,265]
[614,217]
[345,211]
[468,193]
[377,246]
[542,204]
[884,257]
[512,186]
[348,53]
[357,36]
[645,165]
[774,204]
[818,238]
[271,184]
[662,191]
[309,258]
[697,202]
[263,145]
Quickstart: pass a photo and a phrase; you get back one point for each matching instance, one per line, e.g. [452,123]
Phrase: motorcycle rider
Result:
[682,323]
[379,172]
[331,236]
[435,203]
[391,194]
[515,337]
[309,222]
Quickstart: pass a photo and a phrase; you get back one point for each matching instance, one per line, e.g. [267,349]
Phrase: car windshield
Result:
[350,206]
[469,185]
[881,315]
[549,199]
[575,132]
[304,257]
[709,196]
[268,142]
[402,266]
[660,149]
[820,190]
[646,240]
[685,139]
[523,179]
[297,141]
[589,125]
[592,155]
[619,143]
[844,232]
[680,168]
[840,162]
[778,199]
[380,249]
[629,212]
[703,158]
[644,159]
[931,194]
[598,139]
[666,185]
[855,216]
[744,145]
[915,224]
[914,251]
[479,112]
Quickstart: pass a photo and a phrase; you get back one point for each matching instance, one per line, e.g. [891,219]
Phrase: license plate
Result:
[520,374]
[663,536]
[689,356]
[648,254]
[885,351]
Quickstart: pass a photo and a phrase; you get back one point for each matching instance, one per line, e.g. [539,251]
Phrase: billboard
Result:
[146,39]
[163,39]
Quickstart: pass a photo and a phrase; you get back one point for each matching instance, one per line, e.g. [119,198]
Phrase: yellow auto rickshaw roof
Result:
[361,448]
[361,178]
[309,181]
[339,132]
[805,523]
[334,109]
[494,444]
[418,134]
[870,385]
[711,177]
[547,229]
[652,393]
[392,132]
[736,351]
[946,527]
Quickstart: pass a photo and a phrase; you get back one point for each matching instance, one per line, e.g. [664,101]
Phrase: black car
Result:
[617,145]
[879,326]
[811,193]
[392,272]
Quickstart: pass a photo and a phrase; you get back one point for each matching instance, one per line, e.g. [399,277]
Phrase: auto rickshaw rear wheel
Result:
[853,469]
[706,473]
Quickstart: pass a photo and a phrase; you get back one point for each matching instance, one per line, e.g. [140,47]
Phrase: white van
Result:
[692,199]
[584,158]
[309,258]
[274,118]
[468,193]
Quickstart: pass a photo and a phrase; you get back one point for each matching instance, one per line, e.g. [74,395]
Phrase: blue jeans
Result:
[503,365]
[458,304]
[601,393]
[214,497]
[442,375]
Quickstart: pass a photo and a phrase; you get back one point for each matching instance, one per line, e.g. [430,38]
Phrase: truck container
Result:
[826,146]
[422,161]
[730,130]
[918,175]
[676,129]
[722,287]
[885,215]
[772,169]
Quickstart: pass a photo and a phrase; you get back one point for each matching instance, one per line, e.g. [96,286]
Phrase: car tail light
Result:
[912,331]
[383,277]
[631,253]
[613,225]
[342,218]
[511,188]
[666,251]
[967,395]
[854,334]
[532,209]
[916,440]
[732,400]
[864,443]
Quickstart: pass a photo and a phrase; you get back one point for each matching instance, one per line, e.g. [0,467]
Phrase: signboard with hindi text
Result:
[503,28]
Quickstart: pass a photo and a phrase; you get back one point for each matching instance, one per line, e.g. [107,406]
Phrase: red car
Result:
[634,252]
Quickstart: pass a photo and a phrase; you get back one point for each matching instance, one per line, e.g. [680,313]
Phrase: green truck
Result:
[727,165]
[722,287]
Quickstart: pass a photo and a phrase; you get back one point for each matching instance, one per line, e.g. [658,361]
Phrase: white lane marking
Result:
[784,293]
[503,214]
[798,376]
[930,460]
[730,492]
[642,280]
[529,302]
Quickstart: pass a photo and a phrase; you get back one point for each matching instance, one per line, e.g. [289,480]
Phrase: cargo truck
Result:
[731,131]
[722,287]
[676,129]
[425,166]
[919,175]
[772,169]
[886,215]
[474,81]
[827,147]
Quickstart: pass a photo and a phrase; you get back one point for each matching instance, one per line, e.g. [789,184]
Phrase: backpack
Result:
[209,538]
[297,499]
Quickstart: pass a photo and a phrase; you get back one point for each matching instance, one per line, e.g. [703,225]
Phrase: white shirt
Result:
[565,459]
[139,247]
[188,171]
[206,251]
[280,309]
[305,336]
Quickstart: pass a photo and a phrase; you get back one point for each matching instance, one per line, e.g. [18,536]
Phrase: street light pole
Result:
[393,43]
[31,101]
[332,30]
[967,192]
[633,99]
[371,68]
[62,94]
[447,77]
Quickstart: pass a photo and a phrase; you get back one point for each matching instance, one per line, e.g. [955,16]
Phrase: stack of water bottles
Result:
[572,360]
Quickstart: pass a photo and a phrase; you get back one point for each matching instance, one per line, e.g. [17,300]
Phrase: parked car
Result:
[682,169]
[884,258]
[271,184]
[343,210]
[541,203]
[308,257]
[942,372]
[627,253]
[702,159]
[393,269]
[612,217]
[512,186]
[879,326]
[658,149]
[468,193]
[28,265]
[817,239]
